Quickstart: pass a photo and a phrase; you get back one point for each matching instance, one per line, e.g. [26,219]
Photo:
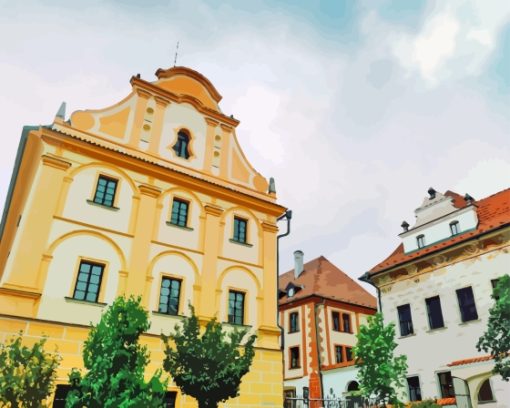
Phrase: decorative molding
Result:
[211,122]
[14,291]
[226,128]
[161,101]
[143,93]
[213,209]
[149,190]
[269,226]
[55,162]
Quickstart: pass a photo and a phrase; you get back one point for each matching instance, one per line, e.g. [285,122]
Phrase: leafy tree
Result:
[380,373]
[209,367]
[496,339]
[116,362]
[27,374]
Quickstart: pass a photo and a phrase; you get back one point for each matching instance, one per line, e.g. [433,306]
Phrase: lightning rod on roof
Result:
[176,51]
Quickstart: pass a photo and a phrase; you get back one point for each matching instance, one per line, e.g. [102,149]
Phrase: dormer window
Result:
[420,240]
[454,227]
[181,147]
[291,292]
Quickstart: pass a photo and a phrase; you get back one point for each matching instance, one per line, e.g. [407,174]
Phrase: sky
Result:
[356,108]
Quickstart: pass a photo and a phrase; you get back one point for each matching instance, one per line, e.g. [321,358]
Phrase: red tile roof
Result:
[321,278]
[470,360]
[493,212]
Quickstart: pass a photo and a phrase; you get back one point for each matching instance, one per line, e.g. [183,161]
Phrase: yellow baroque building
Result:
[152,196]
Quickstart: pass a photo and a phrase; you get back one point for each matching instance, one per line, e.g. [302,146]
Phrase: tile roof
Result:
[470,360]
[446,401]
[493,212]
[321,278]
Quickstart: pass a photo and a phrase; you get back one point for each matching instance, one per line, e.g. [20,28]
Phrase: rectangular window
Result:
[179,213]
[169,400]
[293,322]
[240,225]
[434,312]
[59,401]
[346,322]
[467,304]
[413,384]
[235,307]
[446,384]
[335,317]
[420,241]
[348,353]
[405,320]
[294,357]
[169,296]
[338,354]
[289,395]
[454,228]
[494,283]
[105,191]
[89,281]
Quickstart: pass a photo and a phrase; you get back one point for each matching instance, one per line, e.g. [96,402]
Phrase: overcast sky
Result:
[355,107]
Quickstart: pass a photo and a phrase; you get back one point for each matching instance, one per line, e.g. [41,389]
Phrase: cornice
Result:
[149,190]
[269,227]
[213,209]
[56,162]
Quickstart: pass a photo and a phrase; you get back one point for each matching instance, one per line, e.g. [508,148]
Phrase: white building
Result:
[436,287]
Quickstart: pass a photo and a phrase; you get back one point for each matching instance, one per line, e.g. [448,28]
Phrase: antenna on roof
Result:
[176,51]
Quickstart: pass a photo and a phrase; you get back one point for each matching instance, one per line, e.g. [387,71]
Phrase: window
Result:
[446,384]
[338,354]
[348,354]
[105,191]
[420,240]
[335,316]
[240,230]
[294,357]
[179,212]
[494,283]
[353,386]
[293,322]
[405,319]
[60,395]
[413,385]
[235,307]
[434,312]
[485,394]
[346,322]
[181,147]
[467,304]
[454,227]
[169,400]
[89,281]
[289,396]
[169,296]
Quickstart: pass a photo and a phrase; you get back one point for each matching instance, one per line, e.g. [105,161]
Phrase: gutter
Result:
[366,278]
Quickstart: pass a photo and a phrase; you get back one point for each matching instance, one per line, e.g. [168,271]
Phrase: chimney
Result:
[298,263]
[405,226]
[432,193]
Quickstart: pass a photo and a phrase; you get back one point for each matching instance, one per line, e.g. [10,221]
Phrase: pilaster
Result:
[141,105]
[157,128]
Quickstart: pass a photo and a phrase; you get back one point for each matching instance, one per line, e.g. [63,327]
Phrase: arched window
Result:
[353,386]
[454,227]
[485,393]
[181,147]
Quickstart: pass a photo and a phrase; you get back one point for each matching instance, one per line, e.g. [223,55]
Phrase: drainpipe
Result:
[316,308]
[288,215]
[366,278]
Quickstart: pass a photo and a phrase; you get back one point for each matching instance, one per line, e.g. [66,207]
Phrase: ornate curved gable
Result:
[174,121]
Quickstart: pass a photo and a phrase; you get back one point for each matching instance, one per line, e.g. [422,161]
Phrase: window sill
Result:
[86,302]
[470,321]
[179,226]
[436,329]
[407,335]
[168,315]
[295,368]
[245,326]
[103,206]
[240,243]
[486,402]
[292,332]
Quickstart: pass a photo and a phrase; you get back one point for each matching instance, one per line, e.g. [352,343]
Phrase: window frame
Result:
[463,317]
[108,179]
[292,360]
[339,347]
[429,312]
[410,327]
[102,278]
[454,228]
[409,392]
[486,401]
[350,357]
[243,315]
[349,323]
[180,202]
[335,327]
[450,392]
[494,283]
[177,141]
[295,328]
[237,239]
[420,241]
[172,279]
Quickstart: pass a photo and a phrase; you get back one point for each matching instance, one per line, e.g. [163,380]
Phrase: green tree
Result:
[380,373]
[116,362]
[209,367]
[496,339]
[27,374]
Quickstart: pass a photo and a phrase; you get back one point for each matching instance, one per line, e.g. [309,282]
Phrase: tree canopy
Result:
[496,339]
[208,367]
[381,374]
[116,362]
[27,374]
